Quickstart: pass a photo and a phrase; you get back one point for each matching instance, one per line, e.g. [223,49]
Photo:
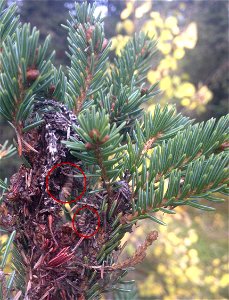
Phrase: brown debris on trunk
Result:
[45,239]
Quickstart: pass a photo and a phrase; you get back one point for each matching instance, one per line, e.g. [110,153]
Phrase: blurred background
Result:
[190,258]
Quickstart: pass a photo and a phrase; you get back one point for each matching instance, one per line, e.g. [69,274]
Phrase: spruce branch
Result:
[126,107]
[125,91]
[134,62]
[188,145]
[201,179]
[88,53]
[20,273]
[25,72]
[9,21]
[6,151]
[100,142]
[138,164]
[163,124]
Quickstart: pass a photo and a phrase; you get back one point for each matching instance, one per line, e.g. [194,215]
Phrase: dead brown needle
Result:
[50,221]
[77,245]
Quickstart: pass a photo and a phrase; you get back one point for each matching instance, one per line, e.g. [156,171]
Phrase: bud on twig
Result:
[52,88]
[32,74]
[89,32]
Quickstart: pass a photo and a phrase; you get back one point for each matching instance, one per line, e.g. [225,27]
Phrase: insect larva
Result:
[82,220]
[66,189]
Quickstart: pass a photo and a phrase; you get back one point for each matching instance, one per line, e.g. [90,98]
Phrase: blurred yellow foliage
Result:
[127,11]
[128,25]
[4,238]
[224,281]
[143,9]
[173,40]
[189,36]
[179,53]
[186,89]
